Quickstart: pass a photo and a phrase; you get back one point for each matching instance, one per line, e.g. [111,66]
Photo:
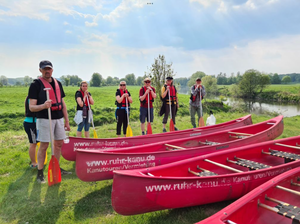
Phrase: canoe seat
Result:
[205,173]
[208,143]
[252,165]
[288,157]
[284,209]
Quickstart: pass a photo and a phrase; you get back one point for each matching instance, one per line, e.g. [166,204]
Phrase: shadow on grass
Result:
[94,204]
[23,201]
[187,215]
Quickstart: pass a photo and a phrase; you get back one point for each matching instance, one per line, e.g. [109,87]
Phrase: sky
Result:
[119,37]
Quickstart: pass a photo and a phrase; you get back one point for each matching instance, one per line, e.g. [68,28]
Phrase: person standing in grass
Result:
[165,90]
[39,104]
[121,113]
[82,96]
[146,90]
[30,129]
[195,101]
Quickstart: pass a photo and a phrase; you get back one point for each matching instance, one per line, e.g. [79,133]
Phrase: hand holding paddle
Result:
[54,175]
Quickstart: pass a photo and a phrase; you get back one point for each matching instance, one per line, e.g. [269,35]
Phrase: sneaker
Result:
[143,133]
[194,126]
[164,130]
[64,172]
[176,129]
[40,178]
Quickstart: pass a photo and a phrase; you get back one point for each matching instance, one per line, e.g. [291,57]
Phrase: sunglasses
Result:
[147,81]
[122,84]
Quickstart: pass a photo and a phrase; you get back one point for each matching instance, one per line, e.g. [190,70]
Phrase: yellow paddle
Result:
[36,152]
[128,129]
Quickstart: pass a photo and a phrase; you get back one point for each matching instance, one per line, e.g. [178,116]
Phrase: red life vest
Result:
[124,100]
[85,102]
[172,93]
[54,96]
[193,97]
[145,101]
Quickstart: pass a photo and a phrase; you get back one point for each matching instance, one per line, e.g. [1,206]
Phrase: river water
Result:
[259,107]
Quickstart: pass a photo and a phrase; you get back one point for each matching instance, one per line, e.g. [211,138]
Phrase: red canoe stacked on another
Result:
[274,202]
[68,149]
[206,179]
[95,165]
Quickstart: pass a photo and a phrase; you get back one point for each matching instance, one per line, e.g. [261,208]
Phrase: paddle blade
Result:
[95,134]
[149,129]
[172,128]
[36,152]
[201,122]
[129,131]
[54,175]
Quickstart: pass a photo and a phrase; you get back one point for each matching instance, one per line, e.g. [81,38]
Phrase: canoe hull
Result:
[95,165]
[147,190]
[248,204]
[68,150]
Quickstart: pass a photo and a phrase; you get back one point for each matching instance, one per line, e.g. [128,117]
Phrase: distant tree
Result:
[27,80]
[130,79]
[109,81]
[265,80]
[194,76]
[18,83]
[221,79]
[67,81]
[250,84]
[182,81]
[158,72]
[139,81]
[96,79]
[286,79]
[210,84]
[275,79]
[3,80]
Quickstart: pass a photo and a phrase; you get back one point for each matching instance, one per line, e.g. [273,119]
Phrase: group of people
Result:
[36,123]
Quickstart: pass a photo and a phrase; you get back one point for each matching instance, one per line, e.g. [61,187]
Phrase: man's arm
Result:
[36,108]
[65,113]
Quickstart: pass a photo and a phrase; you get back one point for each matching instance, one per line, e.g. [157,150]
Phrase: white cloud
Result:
[68,31]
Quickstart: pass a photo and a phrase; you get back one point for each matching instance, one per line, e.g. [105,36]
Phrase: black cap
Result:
[169,78]
[198,79]
[45,63]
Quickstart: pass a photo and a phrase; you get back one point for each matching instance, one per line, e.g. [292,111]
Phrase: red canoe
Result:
[205,179]
[275,202]
[68,149]
[95,165]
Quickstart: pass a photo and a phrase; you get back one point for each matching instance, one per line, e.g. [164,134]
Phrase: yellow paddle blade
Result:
[129,131]
[36,152]
[201,122]
[95,134]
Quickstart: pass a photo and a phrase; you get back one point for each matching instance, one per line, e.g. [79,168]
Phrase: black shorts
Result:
[30,129]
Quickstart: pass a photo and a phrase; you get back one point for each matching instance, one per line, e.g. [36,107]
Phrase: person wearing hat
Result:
[169,87]
[146,90]
[195,100]
[39,104]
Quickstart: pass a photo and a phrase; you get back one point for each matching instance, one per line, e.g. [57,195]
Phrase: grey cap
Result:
[45,64]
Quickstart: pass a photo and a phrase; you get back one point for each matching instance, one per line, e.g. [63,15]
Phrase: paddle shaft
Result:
[50,123]
[201,114]
[149,108]
[90,110]
[127,111]
[170,105]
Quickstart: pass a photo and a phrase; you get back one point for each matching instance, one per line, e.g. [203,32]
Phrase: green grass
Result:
[22,200]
